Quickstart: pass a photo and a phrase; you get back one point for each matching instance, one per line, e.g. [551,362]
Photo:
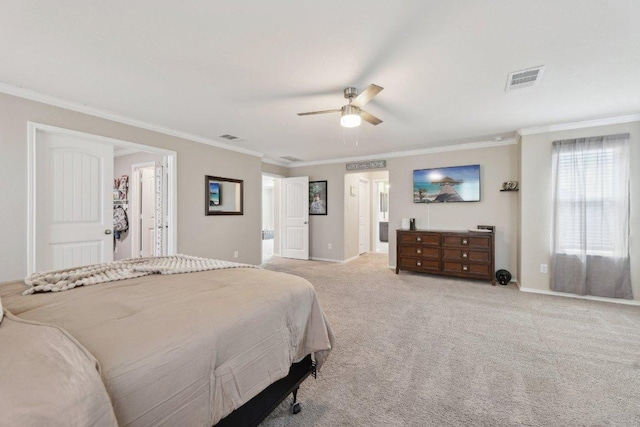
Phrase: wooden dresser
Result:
[465,254]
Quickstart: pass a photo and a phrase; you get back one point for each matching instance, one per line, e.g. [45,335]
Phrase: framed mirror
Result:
[223,196]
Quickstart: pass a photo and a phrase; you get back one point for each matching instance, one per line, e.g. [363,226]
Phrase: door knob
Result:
[305,222]
[107,231]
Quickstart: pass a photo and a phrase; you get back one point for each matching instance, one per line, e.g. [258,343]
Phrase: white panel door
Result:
[147,212]
[364,207]
[295,217]
[74,201]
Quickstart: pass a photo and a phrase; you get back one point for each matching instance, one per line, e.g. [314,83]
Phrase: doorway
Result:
[71,181]
[366,217]
[380,209]
[269,215]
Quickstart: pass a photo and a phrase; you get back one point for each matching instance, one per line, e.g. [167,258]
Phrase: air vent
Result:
[229,137]
[524,78]
[291,159]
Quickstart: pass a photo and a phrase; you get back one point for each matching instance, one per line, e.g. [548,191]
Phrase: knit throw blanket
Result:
[62,280]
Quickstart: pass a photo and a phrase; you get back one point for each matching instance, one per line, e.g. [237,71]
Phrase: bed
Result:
[189,349]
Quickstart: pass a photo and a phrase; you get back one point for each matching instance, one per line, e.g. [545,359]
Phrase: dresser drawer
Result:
[420,238]
[419,251]
[419,264]
[466,255]
[462,267]
[467,241]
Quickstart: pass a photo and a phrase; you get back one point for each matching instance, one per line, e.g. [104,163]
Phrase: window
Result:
[586,180]
[592,195]
[590,251]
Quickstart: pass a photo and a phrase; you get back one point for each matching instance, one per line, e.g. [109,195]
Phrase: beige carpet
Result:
[417,350]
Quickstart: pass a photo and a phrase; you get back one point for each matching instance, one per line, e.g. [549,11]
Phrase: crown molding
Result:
[275,162]
[580,125]
[21,92]
[409,153]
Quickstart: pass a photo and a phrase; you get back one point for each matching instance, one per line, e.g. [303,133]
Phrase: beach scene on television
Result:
[450,184]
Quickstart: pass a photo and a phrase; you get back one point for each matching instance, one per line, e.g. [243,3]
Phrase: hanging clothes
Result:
[120,221]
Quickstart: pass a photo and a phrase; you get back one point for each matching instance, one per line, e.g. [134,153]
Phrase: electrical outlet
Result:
[544,268]
[235,254]
[330,247]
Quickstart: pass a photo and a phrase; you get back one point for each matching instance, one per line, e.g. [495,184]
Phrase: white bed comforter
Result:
[186,349]
[48,379]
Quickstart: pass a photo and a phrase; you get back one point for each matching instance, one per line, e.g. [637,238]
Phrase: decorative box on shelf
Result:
[510,186]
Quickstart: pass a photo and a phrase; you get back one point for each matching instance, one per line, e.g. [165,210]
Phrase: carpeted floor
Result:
[417,350]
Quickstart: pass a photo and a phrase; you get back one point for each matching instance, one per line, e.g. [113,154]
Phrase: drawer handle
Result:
[464,242]
[418,251]
[465,267]
[464,254]
[419,239]
[419,263]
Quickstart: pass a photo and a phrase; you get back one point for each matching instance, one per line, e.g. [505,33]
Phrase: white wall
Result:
[200,235]
[536,207]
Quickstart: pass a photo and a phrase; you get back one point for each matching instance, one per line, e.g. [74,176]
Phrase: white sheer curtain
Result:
[590,245]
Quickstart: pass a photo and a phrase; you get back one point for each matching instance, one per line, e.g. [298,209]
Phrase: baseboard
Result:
[332,260]
[585,297]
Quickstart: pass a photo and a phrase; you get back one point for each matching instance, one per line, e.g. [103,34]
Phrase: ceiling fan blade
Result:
[370,118]
[320,112]
[366,95]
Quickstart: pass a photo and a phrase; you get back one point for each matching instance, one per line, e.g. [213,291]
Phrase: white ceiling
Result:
[246,68]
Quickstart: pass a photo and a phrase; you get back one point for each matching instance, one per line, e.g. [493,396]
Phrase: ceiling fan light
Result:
[350,117]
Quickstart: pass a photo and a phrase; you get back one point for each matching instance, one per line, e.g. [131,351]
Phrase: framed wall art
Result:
[317,197]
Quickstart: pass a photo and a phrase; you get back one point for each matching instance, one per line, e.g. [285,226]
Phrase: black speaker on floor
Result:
[503,277]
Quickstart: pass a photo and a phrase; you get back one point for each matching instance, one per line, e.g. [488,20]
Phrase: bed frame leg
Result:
[295,406]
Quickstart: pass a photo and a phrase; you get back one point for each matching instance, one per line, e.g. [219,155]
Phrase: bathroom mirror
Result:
[223,196]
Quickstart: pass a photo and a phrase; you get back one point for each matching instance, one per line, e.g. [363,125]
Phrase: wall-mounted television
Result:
[445,185]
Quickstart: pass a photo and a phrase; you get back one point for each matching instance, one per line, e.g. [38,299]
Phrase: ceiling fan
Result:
[352,113]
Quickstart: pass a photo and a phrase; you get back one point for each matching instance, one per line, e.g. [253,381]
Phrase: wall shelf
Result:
[517,189]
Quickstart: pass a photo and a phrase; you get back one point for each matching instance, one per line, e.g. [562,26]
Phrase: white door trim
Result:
[32,130]
[276,211]
[367,215]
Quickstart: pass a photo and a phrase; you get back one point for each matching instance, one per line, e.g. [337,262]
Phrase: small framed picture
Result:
[317,197]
